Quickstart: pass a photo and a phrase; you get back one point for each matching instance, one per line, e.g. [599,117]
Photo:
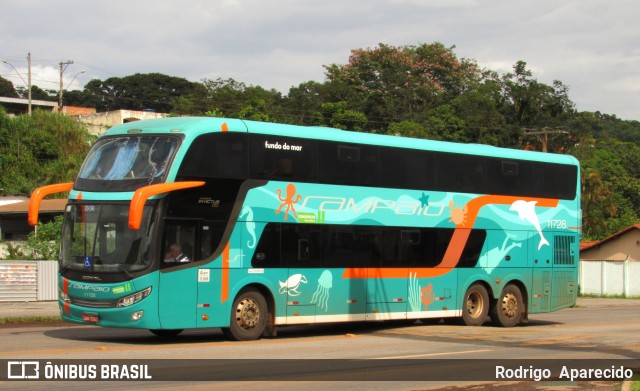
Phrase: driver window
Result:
[178,243]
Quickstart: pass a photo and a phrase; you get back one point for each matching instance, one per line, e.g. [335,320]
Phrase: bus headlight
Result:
[134,298]
[63,295]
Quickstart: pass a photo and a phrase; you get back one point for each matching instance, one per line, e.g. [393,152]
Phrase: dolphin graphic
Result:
[526,211]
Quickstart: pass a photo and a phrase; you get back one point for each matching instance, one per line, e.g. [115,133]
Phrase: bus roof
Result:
[192,127]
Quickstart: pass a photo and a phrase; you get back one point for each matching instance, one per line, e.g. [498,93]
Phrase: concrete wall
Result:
[98,123]
[610,278]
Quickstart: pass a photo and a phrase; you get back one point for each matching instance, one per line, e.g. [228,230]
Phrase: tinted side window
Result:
[471,252]
[509,177]
[531,179]
[348,164]
[415,247]
[282,158]
[406,168]
[559,180]
[216,155]
[341,246]
[460,173]
[267,252]
[301,245]
[352,246]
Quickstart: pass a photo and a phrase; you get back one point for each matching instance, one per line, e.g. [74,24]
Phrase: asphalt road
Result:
[397,356]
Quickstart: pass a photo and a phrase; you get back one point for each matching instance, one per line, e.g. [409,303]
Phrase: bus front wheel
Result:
[248,316]
[509,308]
[475,307]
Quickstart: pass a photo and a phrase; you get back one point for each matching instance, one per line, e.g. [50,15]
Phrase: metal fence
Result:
[28,280]
[610,278]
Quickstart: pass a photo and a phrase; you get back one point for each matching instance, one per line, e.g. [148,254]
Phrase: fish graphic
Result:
[526,211]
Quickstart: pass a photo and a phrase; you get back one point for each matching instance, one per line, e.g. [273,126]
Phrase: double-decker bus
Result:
[183,223]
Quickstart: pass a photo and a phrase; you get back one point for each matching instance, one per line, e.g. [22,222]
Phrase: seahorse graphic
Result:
[251,225]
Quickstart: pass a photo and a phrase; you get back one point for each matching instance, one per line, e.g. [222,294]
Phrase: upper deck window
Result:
[126,162]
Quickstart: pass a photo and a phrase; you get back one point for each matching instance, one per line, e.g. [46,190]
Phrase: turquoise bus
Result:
[183,223]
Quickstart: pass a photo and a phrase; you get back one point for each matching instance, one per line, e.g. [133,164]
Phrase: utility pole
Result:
[543,135]
[29,84]
[63,67]
[25,82]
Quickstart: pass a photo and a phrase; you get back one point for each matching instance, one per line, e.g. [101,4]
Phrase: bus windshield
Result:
[97,238]
[129,161]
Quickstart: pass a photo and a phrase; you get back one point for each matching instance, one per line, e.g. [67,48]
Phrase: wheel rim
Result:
[509,305]
[247,314]
[475,304]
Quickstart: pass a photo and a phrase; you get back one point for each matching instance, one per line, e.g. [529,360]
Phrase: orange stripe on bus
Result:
[379,272]
[224,285]
[456,244]
[473,207]
[224,127]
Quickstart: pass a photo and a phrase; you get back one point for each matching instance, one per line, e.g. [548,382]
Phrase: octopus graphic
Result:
[321,296]
[288,201]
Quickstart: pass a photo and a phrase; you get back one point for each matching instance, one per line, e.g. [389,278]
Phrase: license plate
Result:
[90,318]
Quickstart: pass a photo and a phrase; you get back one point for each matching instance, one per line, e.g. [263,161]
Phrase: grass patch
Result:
[30,319]
[635,384]
[606,296]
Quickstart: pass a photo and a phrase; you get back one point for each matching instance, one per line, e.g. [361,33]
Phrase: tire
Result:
[475,307]
[509,308]
[248,316]
[169,333]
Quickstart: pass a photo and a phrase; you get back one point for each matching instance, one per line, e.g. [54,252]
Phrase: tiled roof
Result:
[588,245]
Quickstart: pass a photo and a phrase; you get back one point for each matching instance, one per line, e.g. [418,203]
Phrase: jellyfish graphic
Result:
[321,296]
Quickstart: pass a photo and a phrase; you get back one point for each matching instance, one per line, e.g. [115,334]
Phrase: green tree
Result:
[610,180]
[302,105]
[41,244]
[153,91]
[408,128]
[391,84]
[40,149]
[336,115]
[7,89]
[231,98]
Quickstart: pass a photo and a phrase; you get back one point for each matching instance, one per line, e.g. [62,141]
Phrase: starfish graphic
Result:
[424,199]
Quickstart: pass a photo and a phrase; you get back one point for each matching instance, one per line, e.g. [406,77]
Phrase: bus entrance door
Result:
[177,303]
[178,282]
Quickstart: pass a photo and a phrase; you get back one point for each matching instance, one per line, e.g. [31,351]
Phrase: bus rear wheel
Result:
[248,316]
[475,307]
[509,308]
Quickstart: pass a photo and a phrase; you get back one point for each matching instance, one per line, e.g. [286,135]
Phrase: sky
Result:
[591,46]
